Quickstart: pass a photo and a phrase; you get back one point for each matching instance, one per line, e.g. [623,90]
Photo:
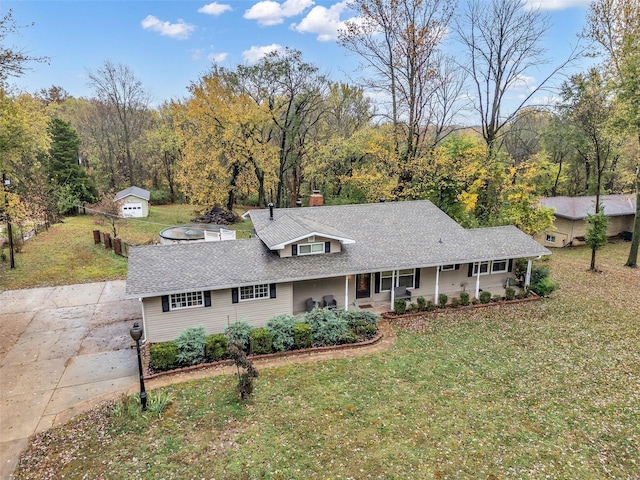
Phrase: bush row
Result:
[320,327]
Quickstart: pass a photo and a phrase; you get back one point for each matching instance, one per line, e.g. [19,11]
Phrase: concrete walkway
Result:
[60,347]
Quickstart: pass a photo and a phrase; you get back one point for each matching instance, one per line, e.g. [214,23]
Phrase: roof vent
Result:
[270,211]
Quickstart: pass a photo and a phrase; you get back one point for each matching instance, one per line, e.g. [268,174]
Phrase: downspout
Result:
[346,293]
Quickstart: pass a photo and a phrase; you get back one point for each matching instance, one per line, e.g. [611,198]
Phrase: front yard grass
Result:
[547,389]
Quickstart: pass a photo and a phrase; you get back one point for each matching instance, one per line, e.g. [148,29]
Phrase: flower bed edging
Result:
[289,353]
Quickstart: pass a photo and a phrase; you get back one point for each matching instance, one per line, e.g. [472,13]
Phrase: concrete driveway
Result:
[60,347]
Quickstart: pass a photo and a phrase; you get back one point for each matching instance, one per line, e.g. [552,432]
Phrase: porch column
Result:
[393,293]
[346,293]
[478,281]
[527,278]
[435,299]
[143,340]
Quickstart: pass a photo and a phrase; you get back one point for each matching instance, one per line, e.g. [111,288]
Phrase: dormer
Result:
[290,234]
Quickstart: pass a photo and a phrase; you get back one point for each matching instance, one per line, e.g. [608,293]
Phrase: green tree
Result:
[596,237]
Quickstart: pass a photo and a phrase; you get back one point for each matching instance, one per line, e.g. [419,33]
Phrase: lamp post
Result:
[6,183]
[136,334]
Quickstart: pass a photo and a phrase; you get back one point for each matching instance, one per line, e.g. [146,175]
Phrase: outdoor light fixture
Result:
[136,334]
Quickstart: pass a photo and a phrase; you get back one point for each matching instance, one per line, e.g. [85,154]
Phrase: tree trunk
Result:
[632,261]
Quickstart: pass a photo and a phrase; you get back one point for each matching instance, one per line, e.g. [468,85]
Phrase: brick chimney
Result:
[316,199]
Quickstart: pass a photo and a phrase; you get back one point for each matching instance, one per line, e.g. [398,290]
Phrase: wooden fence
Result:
[116,244]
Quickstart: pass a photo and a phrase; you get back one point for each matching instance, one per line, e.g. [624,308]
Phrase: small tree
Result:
[245,379]
[108,211]
[596,237]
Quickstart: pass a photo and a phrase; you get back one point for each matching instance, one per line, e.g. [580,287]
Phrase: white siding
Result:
[164,326]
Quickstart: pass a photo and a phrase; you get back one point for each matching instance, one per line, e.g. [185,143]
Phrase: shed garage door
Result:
[132,210]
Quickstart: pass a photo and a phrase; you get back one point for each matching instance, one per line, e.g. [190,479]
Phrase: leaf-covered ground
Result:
[547,389]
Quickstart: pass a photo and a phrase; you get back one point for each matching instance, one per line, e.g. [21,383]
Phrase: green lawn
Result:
[66,254]
[547,389]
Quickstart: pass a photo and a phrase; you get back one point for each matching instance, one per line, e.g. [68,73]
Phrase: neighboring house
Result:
[133,201]
[355,253]
[570,226]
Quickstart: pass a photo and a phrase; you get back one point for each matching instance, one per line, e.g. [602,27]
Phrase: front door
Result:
[363,285]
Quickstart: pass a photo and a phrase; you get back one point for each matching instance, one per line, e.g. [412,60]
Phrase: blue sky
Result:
[169,44]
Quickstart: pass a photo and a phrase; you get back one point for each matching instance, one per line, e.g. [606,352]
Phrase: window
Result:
[310,248]
[447,268]
[404,278]
[254,292]
[186,300]
[550,238]
[499,266]
[484,268]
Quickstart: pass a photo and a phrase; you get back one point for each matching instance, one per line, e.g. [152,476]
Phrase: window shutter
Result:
[470,270]
[294,249]
[510,269]
[165,303]
[207,298]
[234,295]
[272,290]
[327,247]
[377,285]
[416,278]
[457,266]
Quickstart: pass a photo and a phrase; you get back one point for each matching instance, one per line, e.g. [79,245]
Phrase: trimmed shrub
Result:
[455,302]
[538,273]
[260,341]
[281,329]
[442,300]
[326,326]
[163,356]
[216,347]
[464,298]
[239,333]
[356,317]
[496,298]
[400,306]
[349,337]
[485,296]
[302,335]
[544,287]
[191,346]
[510,293]
[422,304]
[431,307]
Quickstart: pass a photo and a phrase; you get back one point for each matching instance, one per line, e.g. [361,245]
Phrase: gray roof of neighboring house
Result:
[135,191]
[392,235]
[576,208]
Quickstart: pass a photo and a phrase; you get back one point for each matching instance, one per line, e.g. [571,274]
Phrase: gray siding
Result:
[164,326]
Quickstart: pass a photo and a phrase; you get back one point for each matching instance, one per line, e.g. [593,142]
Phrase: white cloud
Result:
[196,54]
[556,4]
[254,54]
[179,30]
[323,21]
[268,12]
[215,9]
[217,57]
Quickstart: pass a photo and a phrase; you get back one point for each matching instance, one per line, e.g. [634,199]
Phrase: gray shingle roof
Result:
[387,236]
[576,208]
[136,191]
[290,227]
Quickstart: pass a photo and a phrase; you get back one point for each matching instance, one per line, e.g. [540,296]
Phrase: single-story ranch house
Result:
[570,225]
[134,202]
[339,256]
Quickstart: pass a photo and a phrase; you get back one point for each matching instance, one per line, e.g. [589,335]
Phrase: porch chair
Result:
[310,304]
[402,292]
[329,302]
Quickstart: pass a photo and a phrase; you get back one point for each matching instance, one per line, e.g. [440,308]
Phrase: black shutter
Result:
[327,247]
[457,266]
[294,249]
[165,303]
[234,295]
[377,280]
[416,278]
[470,270]
[510,269]
[207,298]
[272,290]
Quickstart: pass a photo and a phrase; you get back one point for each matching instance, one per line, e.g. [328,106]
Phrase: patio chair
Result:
[310,304]
[329,302]
[402,292]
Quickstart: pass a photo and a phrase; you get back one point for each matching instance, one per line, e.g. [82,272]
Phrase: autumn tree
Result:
[164,146]
[614,26]
[596,236]
[397,41]
[13,61]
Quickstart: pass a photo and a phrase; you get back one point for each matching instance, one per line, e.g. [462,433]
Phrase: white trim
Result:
[310,245]
[281,246]
[527,278]
[477,292]
[450,267]
[253,287]
[395,278]
[346,292]
[478,266]
[506,265]
[186,295]
[437,283]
